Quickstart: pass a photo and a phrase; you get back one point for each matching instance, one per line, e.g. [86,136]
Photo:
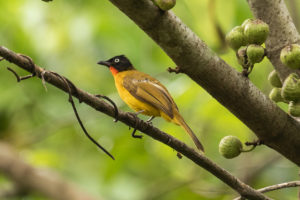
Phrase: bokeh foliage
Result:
[69,37]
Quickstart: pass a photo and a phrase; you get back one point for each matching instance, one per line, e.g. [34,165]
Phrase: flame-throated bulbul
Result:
[145,94]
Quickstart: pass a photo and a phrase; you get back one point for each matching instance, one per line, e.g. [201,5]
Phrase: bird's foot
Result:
[149,121]
[135,115]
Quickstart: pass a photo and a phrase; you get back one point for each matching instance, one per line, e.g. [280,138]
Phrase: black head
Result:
[120,63]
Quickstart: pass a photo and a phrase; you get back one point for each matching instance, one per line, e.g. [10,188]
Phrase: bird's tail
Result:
[180,121]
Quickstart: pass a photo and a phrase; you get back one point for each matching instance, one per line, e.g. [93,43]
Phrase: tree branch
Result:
[272,125]
[276,187]
[29,178]
[127,118]
[282,30]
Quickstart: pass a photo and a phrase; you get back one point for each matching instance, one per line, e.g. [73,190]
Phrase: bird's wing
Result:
[150,91]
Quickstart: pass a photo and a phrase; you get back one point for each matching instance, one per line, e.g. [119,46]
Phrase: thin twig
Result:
[112,103]
[15,73]
[255,143]
[276,187]
[19,78]
[67,84]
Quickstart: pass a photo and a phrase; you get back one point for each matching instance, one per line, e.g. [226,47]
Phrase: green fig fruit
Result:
[275,95]
[291,88]
[274,79]
[255,53]
[290,56]
[236,38]
[294,109]
[246,22]
[165,4]
[230,147]
[256,31]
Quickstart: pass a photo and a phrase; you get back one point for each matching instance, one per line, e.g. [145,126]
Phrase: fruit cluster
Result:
[289,91]
[246,40]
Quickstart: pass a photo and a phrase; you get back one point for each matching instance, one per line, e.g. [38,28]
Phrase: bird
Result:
[145,94]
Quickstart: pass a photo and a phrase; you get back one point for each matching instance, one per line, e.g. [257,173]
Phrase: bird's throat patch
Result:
[113,70]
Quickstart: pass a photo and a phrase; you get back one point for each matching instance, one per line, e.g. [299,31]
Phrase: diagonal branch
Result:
[272,125]
[280,186]
[127,118]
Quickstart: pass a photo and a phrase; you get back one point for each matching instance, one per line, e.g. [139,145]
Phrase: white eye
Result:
[117,60]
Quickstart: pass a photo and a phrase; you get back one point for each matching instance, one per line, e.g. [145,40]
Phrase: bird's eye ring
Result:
[117,60]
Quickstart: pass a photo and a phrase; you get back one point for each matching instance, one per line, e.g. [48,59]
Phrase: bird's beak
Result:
[106,63]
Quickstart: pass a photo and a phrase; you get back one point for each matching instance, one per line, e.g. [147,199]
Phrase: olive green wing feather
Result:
[150,91]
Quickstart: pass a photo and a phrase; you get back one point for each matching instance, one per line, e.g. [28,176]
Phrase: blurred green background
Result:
[69,37]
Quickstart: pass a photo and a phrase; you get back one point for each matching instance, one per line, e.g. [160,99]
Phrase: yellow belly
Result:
[131,101]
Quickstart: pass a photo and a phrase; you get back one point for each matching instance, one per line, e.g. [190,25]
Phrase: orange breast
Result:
[113,70]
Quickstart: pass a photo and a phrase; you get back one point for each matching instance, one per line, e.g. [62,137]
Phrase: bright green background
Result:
[69,37]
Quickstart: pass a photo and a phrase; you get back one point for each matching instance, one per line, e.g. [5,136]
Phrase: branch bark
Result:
[282,30]
[29,178]
[127,118]
[272,125]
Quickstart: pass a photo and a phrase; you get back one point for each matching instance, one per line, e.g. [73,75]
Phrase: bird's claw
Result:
[149,121]
[133,134]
